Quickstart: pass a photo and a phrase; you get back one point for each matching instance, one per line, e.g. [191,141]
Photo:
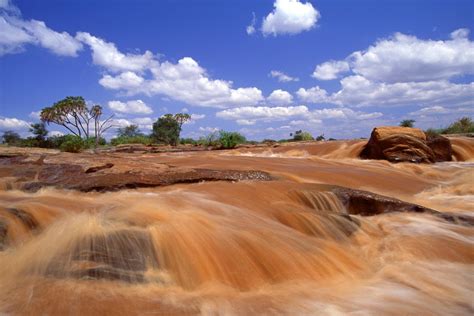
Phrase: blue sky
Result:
[265,68]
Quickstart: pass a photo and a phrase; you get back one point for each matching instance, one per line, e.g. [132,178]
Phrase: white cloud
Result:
[248,115]
[312,95]
[405,58]
[131,107]
[196,117]
[297,115]
[209,129]
[107,55]
[15,33]
[184,81]
[282,77]
[438,109]
[358,91]
[251,27]
[290,17]
[14,124]
[330,70]
[35,115]
[280,97]
[128,80]
[8,6]
[460,34]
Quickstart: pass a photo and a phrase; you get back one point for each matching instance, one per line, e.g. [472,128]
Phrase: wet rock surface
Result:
[405,144]
[365,203]
[88,172]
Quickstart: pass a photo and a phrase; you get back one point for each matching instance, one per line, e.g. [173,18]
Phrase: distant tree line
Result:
[86,128]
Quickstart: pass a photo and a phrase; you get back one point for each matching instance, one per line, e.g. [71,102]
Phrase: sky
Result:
[264,68]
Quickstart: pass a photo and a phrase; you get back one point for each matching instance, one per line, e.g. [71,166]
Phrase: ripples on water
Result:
[245,248]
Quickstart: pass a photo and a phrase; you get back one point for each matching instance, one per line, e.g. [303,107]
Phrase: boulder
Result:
[406,144]
[441,147]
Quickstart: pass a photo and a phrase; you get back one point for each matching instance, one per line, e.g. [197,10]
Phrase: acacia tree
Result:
[73,114]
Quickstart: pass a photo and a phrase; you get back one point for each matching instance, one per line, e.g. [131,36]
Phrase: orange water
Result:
[248,248]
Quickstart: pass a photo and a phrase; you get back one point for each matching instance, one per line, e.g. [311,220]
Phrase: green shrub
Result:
[300,135]
[211,139]
[186,141]
[461,126]
[138,139]
[72,144]
[229,140]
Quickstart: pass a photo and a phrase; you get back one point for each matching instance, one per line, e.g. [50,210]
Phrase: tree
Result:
[99,127]
[40,131]
[166,130]
[407,123]
[11,138]
[129,131]
[73,114]
[182,118]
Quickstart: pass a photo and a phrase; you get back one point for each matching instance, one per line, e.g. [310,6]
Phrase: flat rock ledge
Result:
[104,176]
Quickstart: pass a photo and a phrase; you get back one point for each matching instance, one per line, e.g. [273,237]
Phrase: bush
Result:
[186,141]
[461,126]
[229,140]
[72,144]
[300,135]
[211,139]
[90,142]
[138,139]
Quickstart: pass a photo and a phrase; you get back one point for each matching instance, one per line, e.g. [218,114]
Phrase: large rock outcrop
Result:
[406,144]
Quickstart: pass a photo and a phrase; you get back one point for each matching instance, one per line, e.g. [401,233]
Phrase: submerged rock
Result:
[406,144]
[365,203]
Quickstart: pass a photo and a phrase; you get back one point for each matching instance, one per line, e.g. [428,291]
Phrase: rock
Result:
[405,144]
[98,168]
[441,147]
[70,176]
[365,203]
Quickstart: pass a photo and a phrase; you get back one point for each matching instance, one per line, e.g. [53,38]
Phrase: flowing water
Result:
[246,248]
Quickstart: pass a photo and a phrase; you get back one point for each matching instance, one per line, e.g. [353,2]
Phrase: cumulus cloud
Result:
[280,97]
[312,95]
[330,70]
[359,91]
[406,58]
[250,114]
[130,107]
[107,55]
[400,70]
[184,81]
[438,109]
[15,33]
[7,123]
[290,17]
[128,81]
[299,115]
[282,77]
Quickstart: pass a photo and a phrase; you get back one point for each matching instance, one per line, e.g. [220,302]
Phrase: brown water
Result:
[247,248]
